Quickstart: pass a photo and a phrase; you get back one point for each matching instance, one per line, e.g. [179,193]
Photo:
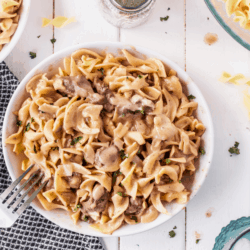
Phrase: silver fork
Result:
[10,208]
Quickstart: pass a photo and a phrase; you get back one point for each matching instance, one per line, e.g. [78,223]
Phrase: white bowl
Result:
[62,218]
[24,14]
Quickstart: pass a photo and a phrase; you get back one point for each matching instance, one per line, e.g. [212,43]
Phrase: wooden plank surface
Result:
[168,39]
[226,190]
[90,27]
[19,60]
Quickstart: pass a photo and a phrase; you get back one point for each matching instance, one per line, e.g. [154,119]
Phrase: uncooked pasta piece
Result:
[58,22]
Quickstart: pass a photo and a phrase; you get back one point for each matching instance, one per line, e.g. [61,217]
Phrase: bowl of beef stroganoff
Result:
[123,135]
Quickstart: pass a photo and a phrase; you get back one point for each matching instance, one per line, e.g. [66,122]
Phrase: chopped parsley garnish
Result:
[102,70]
[53,40]
[122,154]
[123,114]
[235,149]
[27,128]
[190,97]
[202,151]
[120,193]
[32,55]
[77,206]
[197,241]
[134,218]
[164,18]
[76,140]
[179,181]
[38,36]
[55,148]
[133,162]
[139,151]
[32,119]
[85,218]
[142,111]
[175,227]
[19,123]
[172,234]
[115,174]
[168,161]
[140,76]
[35,149]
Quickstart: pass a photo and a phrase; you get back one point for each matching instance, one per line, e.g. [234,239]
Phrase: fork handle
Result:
[7,218]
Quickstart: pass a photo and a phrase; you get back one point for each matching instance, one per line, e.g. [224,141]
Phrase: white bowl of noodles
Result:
[10,37]
[60,217]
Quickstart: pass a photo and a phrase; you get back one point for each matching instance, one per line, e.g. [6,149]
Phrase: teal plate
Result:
[242,36]
[230,234]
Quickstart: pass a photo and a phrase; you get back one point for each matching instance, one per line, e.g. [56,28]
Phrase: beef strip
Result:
[97,202]
[164,180]
[74,181]
[74,85]
[135,206]
[103,90]
[107,156]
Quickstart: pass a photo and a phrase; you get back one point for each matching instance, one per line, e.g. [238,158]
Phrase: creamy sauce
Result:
[210,38]
[197,235]
[209,212]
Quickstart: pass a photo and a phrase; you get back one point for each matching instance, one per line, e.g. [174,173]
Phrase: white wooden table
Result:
[227,188]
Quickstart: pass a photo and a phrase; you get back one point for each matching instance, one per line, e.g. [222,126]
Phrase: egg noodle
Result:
[113,135]
[241,11]
[9,20]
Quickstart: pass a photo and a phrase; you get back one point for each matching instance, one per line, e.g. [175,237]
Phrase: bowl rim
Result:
[7,48]
[225,26]
[97,45]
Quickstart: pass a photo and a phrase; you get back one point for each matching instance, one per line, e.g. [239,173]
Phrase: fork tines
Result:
[8,197]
